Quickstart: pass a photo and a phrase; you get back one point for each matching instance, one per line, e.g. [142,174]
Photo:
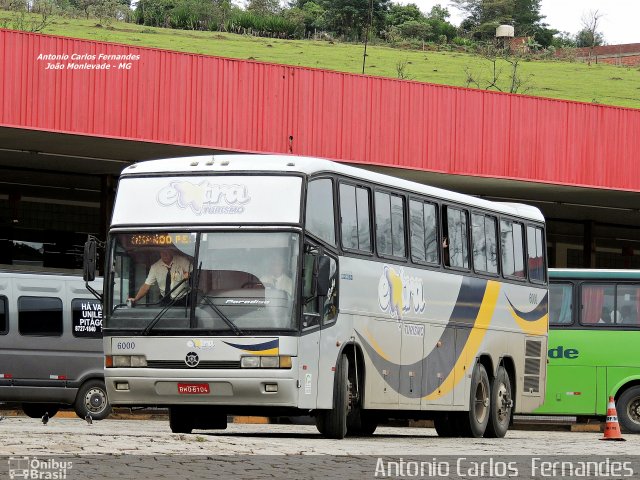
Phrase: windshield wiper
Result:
[226,319]
[165,309]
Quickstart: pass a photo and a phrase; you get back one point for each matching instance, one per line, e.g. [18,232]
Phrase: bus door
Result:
[318,315]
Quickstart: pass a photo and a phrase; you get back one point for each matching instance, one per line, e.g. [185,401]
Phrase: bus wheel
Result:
[628,409]
[92,400]
[362,423]
[501,405]
[475,422]
[37,410]
[180,420]
[334,421]
[446,424]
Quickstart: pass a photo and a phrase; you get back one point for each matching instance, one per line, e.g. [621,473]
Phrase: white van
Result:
[51,345]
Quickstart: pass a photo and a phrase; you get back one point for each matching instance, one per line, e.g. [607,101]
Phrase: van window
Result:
[40,316]
[86,318]
[4,316]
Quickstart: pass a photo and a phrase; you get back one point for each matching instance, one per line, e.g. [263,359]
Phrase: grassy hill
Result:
[603,84]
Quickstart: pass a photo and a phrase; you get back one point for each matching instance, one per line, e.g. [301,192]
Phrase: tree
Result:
[589,35]
[399,14]
[264,7]
[439,12]
[351,17]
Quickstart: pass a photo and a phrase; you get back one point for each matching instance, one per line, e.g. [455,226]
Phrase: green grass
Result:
[602,84]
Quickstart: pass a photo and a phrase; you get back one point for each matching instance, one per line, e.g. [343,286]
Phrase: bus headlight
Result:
[125,361]
[266,361]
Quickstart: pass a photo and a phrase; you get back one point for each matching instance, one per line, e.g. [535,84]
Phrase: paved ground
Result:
[127,447]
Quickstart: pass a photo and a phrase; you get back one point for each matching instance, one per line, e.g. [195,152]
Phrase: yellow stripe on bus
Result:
[472,345]
[537,327]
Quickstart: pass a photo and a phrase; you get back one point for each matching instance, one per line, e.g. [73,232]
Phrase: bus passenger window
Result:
[598,304]
[535,255]
[424,229]
[512,249]
[456,238]
[354,217]
[389,224]
[485,255]
[560,304]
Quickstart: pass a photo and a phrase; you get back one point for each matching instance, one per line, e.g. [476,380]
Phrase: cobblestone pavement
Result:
[24,436]
[141,449]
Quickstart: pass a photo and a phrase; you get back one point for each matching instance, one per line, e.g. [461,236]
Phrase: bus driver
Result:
[167,273]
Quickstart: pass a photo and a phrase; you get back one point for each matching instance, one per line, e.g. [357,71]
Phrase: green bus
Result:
[594,339]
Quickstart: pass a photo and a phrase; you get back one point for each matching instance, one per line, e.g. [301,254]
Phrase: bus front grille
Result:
[180,364]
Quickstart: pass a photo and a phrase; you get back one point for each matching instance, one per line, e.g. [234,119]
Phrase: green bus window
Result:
[627,298]
[319,213]
[561,304]
[598,305]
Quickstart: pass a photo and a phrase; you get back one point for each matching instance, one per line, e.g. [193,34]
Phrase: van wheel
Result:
[37,410]
[474,423]
[628,409]
[501,405]
[92,400]
[180,420]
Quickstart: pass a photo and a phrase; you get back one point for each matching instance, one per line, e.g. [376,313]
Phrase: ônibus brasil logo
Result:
[204,197]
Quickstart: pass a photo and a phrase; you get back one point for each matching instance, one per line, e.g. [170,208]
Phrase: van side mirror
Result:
[322,272]
[89,260]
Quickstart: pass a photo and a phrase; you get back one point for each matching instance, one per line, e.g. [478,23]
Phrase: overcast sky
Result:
[618,21]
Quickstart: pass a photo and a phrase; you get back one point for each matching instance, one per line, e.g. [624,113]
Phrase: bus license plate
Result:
[193,388]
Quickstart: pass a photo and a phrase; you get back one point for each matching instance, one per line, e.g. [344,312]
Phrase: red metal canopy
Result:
[227,104]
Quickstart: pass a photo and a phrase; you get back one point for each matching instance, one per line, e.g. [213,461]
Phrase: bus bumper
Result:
[265,391]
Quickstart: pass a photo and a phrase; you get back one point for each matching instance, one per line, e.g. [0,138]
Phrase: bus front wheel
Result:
[628,409]
[474,423]
[333,423]
[501,405]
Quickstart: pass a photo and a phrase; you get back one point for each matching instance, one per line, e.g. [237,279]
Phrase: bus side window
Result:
[560,304]
[511,242]
[455,239]
[535,255]
[354,217]
[330,310]
[320,212]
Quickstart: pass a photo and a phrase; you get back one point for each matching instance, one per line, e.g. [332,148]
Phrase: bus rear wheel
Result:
[333,423]
[474,423]
[628,409]
[501,405]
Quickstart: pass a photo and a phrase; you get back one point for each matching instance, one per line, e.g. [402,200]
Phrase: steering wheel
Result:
[252,285]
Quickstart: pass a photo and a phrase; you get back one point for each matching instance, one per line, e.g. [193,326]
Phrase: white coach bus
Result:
[299,286]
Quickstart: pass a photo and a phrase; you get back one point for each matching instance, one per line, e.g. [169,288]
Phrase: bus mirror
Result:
[89,261]
[323,270]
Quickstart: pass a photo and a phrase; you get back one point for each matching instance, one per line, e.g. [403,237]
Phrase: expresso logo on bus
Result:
[563,352]
[398,292]
[205,198]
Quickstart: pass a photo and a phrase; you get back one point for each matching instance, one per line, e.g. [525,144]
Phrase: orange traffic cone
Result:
[612,428]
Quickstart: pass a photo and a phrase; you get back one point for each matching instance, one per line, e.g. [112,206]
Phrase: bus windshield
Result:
[206,281]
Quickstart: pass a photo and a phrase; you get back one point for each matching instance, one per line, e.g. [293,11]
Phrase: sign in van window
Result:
[86,318]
